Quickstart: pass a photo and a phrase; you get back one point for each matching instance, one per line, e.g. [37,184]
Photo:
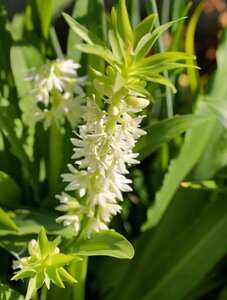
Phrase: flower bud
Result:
[137,102]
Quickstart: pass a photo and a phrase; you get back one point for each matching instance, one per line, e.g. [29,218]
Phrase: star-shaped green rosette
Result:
[44,265]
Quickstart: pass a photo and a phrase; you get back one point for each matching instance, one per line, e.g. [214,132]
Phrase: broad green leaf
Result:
[7,293]
[80,13]
[22,57]
[6,125]
[108,243]
[144,27]
[163,131]
[10,192]
[123,22]
[6,222]
[174,273]
[219,108]
[30,222]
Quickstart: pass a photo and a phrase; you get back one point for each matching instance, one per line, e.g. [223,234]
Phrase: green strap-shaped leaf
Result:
[200,136]
[163,131]
[39,16]
[108,243]
[178,169]
[177,271]
[190,47]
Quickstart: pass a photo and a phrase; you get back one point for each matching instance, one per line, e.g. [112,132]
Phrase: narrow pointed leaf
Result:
[148,40]
[98,51]
[144,27]
[83,32]
[157,78]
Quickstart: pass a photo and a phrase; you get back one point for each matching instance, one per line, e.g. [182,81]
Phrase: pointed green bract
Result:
[123,22]
[144,27]
[147,41]
[83,32]
[43,243]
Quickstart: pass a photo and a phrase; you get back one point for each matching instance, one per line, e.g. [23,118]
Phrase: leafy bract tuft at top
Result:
[128,53]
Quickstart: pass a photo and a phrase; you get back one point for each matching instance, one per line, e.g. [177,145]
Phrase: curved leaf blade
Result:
[108,243]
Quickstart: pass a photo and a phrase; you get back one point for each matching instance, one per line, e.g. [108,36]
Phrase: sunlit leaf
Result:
[108,243]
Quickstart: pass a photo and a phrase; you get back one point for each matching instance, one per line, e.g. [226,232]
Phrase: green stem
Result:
[152,7]
[79,271]
[55,158]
